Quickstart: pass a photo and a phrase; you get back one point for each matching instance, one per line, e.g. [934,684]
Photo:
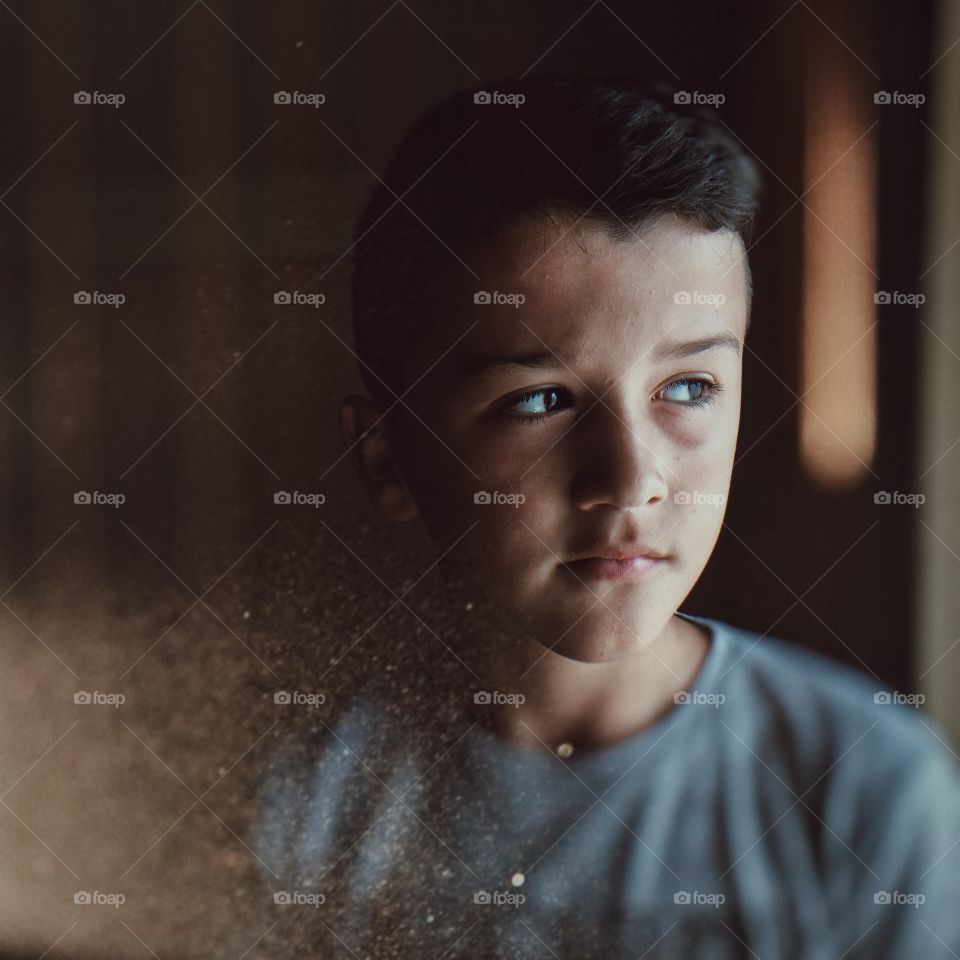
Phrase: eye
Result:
[689,392]
[533,406]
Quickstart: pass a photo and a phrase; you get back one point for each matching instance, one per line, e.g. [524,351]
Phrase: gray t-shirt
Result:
[790,807]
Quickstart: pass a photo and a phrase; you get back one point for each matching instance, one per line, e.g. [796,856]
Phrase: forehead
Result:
[586,295]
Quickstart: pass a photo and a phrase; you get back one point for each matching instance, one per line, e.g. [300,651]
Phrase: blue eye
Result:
[694,391]
[538,405]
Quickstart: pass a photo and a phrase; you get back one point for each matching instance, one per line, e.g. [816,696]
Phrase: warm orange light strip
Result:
[838,418]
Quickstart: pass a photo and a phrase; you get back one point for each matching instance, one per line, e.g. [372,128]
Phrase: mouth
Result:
[620,568]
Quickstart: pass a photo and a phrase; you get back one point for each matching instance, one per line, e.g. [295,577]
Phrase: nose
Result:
[618,463]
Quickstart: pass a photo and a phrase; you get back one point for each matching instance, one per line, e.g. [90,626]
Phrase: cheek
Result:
[514,541]
[442,476]
[704,451]
[495,514]
[700,490]
[514,524]
[706,468]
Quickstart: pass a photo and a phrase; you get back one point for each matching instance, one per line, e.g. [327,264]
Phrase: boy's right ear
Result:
[369,442]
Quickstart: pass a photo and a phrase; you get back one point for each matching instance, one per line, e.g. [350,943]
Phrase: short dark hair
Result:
[612,150]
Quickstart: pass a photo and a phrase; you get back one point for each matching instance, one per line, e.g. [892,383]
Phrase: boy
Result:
[551,296]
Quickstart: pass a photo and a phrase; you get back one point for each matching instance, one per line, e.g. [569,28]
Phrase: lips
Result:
[627,552]
[624,567]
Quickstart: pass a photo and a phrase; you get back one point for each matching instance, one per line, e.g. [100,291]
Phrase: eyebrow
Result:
[549,360]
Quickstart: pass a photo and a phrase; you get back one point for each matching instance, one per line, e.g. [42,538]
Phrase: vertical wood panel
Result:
[210,314]
[62,393]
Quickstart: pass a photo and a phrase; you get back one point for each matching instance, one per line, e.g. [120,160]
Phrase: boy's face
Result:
[634,449]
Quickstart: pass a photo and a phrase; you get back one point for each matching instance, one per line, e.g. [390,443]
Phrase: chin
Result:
[601,647]
[592,653]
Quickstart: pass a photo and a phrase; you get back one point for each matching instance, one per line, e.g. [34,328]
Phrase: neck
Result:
[556,700]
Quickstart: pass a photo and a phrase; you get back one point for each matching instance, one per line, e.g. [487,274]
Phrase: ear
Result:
[371,446]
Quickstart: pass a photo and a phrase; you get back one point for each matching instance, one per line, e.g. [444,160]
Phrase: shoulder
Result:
[825,715]
[874,776]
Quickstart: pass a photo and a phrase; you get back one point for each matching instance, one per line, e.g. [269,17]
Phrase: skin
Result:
[596,660]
